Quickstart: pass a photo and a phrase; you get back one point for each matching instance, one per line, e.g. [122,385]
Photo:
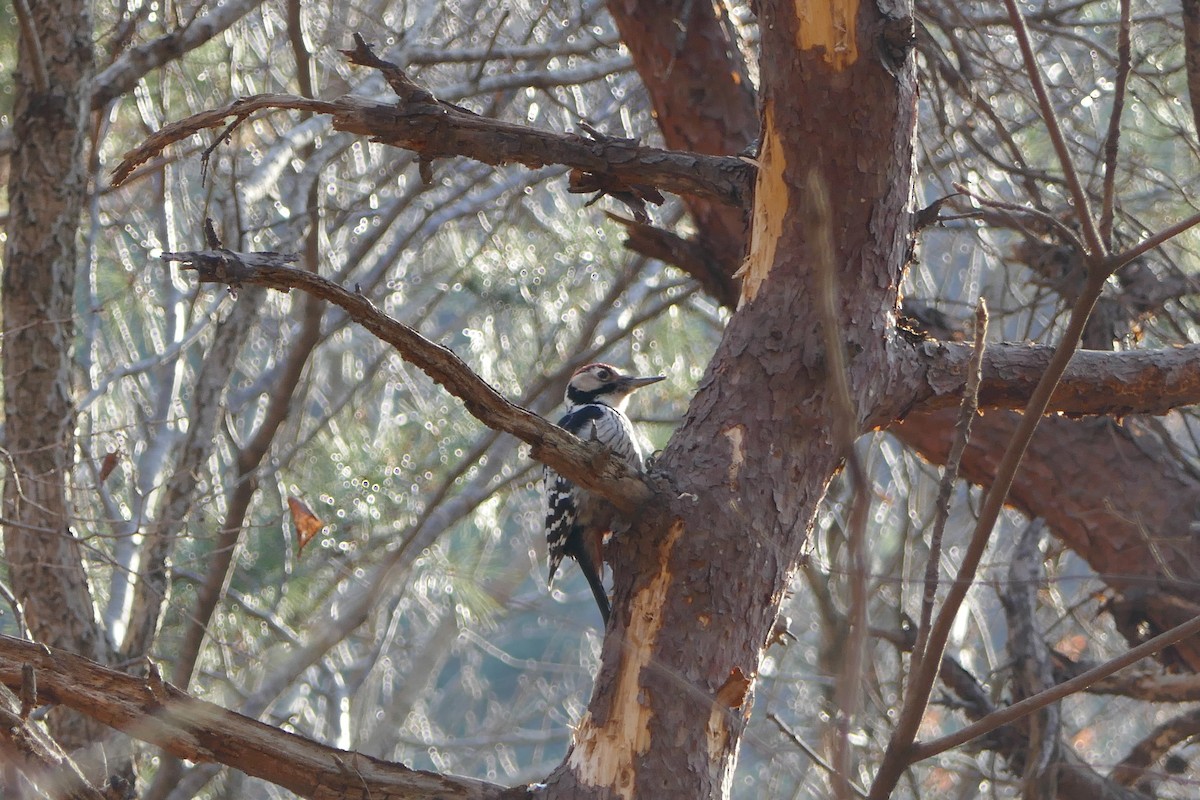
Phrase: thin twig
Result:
[1014,208]
[1082,210]
[812,754]
[897,757]
[1029,705]
[819,224]
[1113,138]
[962,434]
[1115,262]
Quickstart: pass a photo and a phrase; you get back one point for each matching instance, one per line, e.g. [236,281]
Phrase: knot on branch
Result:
[221,265]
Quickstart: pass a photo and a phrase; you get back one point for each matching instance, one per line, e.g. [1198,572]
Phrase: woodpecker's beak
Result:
[628,384]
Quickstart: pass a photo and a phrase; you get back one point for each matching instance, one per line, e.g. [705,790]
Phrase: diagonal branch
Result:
[132,65]
[589,465]
[1155,746]
[1023,708]
[156,712]
[27,746]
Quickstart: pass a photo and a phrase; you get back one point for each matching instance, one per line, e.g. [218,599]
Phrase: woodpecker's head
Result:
[603,383]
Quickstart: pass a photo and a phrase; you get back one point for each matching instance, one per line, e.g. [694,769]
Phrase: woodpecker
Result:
[577,520]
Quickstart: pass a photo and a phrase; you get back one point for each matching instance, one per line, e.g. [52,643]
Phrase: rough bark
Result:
[1096,382]
[754,456]
[1080,506]
[46,192]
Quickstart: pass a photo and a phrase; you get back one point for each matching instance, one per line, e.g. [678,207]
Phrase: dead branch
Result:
[589,465]
[30,749]
[157,712]
[433,129]
[689,254]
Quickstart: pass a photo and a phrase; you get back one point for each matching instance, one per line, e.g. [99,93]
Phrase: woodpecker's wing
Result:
[606,425]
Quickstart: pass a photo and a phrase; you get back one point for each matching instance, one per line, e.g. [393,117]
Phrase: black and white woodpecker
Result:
[577,520]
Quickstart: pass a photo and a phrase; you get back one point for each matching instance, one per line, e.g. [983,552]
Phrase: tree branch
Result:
[157,712]
[1152,686]
[1095,382]
[923,750]
[589,465]
[29,748]
[433,129]
[131,66]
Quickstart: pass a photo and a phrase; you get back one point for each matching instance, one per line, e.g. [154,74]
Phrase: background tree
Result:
[416,628]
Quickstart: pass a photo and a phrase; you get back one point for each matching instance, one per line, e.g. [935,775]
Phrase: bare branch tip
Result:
[211,239]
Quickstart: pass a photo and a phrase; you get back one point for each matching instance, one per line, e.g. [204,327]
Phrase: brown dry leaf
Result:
[111,459]
[1072,646]
[307,523]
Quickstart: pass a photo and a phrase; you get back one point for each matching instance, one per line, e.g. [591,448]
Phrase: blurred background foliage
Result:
[417,626]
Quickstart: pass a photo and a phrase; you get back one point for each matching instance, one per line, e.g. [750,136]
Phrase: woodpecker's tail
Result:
[593,578]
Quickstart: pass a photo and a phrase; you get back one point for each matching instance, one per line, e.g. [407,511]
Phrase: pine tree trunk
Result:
[46,191]
[700,580]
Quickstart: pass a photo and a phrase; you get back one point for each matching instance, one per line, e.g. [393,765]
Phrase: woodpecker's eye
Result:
[604,375]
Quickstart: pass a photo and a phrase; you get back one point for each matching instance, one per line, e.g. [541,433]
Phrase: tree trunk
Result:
[46,191]
[700,578]
[703,101]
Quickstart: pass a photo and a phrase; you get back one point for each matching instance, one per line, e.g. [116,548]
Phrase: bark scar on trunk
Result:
[771,205]
[603,754]
[829,25]
[729,698]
